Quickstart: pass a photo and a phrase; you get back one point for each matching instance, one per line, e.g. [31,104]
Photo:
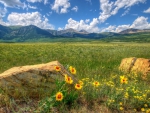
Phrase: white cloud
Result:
[2,22]
[111,8]
[122,27]
[109,29]
[61,6]
[45,1]
[25,19]
[31,7]
[126,12]
[115,28]
[80,25]
[106,8]
[60,28]
[12,3]
[33,1]
[87,20]
[141,23]
[147,11]
[3,12]
[75,8]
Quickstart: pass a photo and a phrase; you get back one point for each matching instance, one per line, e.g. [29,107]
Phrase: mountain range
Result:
[31,32]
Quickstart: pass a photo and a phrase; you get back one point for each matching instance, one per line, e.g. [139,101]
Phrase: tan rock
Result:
[136,65]
[32,80]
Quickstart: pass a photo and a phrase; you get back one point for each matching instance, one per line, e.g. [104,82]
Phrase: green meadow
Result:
[94,62]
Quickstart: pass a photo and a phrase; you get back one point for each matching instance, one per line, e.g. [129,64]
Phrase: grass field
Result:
[94,61]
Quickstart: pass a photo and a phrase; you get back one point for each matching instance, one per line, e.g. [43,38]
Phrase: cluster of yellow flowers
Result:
[124,89]
[69,80]
[121,107]
[72,69]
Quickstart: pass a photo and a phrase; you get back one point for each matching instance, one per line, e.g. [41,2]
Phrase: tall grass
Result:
[94,62]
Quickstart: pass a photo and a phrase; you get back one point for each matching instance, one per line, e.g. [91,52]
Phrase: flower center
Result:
[72,70]
[59,96]
[57,67]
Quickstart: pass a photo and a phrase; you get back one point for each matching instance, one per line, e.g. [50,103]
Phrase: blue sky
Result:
[90,15]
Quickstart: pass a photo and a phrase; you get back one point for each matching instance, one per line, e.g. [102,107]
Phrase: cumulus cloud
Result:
[106,8]
[141,23]
[87,20]
[122,27]
[111,8]
[147,11]
[25,19]
[33,1]
[115,28]
[75,8]
[82,24]
[60,28]
[12,3]
[61,6]
[109,29]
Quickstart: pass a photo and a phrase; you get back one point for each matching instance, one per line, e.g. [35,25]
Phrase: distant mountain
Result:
[131,30]
[83,31]
[67,32]
[22,33]
[34,33]
[4,30]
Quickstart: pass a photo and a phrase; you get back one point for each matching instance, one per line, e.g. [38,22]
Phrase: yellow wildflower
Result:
[78,86]
[142,109]
[72,70]
[123,80]
[68,79]
[145,105]
[120,103]
[96,83]
[57,68]
[121,108]
[81,82]
[126,95]
[59,96]
[148,110]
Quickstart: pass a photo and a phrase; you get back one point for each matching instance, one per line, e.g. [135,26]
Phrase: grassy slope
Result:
[137,37]
[92,59]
